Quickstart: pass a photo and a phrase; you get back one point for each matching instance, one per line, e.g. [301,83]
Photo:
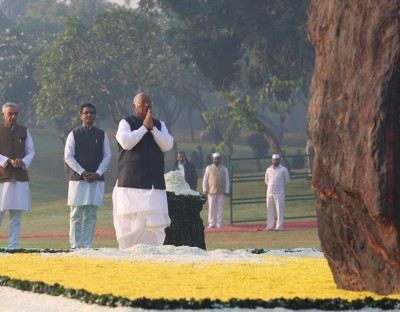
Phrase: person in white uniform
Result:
[276,178]
[216,187]
[16,155]
[87,153]
[140,207]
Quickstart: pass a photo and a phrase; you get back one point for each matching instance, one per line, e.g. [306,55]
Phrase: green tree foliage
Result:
[56,10]
[14,9]
[247,49]
[121,53]
[21,43]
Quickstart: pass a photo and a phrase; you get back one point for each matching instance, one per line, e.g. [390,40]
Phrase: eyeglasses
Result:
[12,114]
[88,113]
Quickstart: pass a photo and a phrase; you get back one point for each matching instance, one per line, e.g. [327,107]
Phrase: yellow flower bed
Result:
[277,276]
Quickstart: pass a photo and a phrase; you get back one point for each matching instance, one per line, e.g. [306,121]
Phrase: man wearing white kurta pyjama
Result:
[140,207]
[216,187]
[87,153]
[276,178]
[16,155]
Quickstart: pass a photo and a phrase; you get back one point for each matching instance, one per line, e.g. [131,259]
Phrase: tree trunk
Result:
[353,122]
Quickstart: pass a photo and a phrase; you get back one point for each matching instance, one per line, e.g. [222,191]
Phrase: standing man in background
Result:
[139,197]
[197,159]
[187,170]
[16,155]
[310,156]
[276,178]
[87,153]
[215,187]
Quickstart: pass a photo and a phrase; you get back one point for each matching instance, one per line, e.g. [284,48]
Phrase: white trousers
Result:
[14,227]
[82,223]
[275,205]
[215,202]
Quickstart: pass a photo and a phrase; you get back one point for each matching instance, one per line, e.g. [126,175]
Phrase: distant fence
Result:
[247,183]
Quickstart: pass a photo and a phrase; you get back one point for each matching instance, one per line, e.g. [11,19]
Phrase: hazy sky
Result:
[133,2]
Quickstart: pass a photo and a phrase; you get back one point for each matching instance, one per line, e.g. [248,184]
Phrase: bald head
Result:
[141,104]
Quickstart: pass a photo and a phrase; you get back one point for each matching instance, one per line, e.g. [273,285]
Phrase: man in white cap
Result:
[276,178]
[215,186]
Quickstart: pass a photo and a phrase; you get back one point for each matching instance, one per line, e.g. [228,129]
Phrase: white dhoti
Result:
[140,216]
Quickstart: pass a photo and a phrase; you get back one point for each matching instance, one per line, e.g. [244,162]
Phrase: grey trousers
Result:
[82,223]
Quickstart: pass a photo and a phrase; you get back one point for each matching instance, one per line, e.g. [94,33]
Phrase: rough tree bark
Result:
[353,121]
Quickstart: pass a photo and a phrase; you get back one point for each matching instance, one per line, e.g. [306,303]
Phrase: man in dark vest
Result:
[87,153]
[16,155]
[140,207]
[187,170]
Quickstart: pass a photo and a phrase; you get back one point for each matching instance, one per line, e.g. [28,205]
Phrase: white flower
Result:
[176,183]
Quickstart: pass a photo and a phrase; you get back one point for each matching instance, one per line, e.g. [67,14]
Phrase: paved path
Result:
[288,226]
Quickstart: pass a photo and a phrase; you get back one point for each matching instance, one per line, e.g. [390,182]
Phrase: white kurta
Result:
[216,202]
[16,195]
[276,179]
[82,192]
[205,185]
[140,215]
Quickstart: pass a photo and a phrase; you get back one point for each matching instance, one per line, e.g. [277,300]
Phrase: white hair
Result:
[140,94]
[137,96]
[7,105]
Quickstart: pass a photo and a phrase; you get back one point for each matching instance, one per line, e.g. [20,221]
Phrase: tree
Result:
[85,10]
[259,146]
[22,42]
[14,9]
[240,46]
[121,53]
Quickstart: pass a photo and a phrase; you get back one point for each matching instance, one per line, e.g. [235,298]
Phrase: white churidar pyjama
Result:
[275,205]
[216,204]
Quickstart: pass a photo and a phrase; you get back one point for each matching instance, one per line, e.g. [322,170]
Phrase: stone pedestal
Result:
[187,228]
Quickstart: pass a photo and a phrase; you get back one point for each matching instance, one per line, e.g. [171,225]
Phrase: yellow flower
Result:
[274,277]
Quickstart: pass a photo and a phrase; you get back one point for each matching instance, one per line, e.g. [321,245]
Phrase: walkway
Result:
[288,226]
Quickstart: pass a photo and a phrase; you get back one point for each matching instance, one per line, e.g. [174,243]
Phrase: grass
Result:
[50,213]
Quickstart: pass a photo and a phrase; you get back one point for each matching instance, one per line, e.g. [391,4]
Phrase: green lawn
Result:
[50,213]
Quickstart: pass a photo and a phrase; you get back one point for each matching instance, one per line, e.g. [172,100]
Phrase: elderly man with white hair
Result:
[276,178]
[215,187]
[140,207]
[16,155]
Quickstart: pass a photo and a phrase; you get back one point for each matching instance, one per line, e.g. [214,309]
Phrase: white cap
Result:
[216,154]
[276,156]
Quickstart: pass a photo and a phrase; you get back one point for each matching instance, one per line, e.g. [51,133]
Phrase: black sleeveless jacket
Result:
[141,167]
[88,150]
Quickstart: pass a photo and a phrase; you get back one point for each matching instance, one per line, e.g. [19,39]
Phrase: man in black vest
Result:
[140,207]
[16,155]
[187,170]
[87,153]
